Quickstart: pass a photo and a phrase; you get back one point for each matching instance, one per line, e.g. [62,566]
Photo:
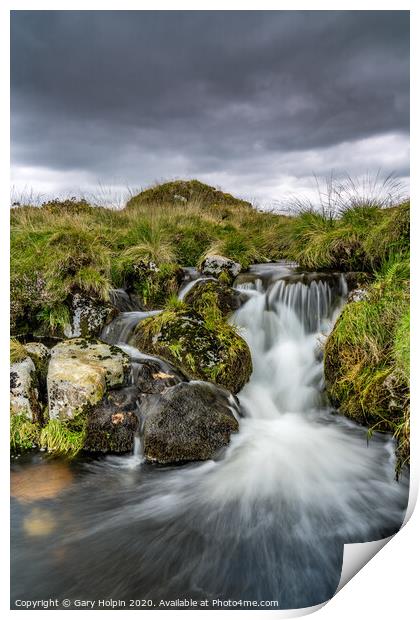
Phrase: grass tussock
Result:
[17,351]
[63,438]
[367,356]
[24,435]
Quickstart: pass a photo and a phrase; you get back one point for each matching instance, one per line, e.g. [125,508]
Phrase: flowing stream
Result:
[265,521]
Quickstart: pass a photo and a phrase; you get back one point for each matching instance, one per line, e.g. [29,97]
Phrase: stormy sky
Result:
[254,102]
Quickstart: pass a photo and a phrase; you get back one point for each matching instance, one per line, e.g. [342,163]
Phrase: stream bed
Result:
[265,521]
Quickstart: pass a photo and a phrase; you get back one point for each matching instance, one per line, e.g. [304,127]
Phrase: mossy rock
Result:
[178,192]
[152,284]
[203,348]
[188,422]
[204,292]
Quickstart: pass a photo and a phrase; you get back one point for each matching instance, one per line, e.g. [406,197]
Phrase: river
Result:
[265,521]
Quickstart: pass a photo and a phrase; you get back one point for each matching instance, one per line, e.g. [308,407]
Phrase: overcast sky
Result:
[255,102]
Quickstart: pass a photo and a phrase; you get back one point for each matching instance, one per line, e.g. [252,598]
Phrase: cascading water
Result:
[265,521]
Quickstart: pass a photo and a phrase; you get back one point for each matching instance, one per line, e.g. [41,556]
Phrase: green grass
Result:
[63,438]
[17,351]
[367,356]
[24,435]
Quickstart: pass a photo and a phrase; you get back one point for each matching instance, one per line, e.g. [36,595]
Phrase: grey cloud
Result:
[104,92]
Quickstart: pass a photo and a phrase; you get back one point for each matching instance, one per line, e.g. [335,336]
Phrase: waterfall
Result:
[267,519]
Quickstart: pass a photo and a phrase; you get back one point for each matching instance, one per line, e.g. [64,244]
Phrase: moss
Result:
[17,351]
[24,434]
[203,345]
[209,294]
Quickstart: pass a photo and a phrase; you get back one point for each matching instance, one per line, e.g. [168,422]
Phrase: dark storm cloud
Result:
[125,93]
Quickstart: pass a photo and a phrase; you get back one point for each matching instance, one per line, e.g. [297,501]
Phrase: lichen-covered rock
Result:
[202,348]
[112,424]
[225,298]
[79,374]
[24,395]
[358,294]
[189,422]
[215,265]
[88,317]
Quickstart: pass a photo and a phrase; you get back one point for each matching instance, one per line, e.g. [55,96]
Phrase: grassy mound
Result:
[367,356]
[186,192]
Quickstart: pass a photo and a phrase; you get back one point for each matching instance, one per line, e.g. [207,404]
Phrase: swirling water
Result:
[266,520]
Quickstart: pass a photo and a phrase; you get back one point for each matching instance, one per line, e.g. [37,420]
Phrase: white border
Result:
[387,586]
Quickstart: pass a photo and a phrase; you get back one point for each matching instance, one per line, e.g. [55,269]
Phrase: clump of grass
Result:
[24,434]
[63,438]
[17,351]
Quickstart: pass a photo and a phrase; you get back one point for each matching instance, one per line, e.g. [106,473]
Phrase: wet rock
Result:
[112,424]
[153,376]
[215,265]
[88,317]
[189,422]
[80,373]
[225,298]
[209,352]
[24,394]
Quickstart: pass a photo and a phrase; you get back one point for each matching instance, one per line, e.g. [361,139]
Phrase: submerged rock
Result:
[80,373]
[211,351]
[224,297]
[24,394]
[189,422]
[215,265]
[112,424]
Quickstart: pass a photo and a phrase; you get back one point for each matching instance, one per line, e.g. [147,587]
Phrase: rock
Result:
[153,376]
[225,298]
[112,424]
[215,265]
[203,351]
[358,294]
[80,373]
[24,395]
[88,317]
[40,355]
[189,422]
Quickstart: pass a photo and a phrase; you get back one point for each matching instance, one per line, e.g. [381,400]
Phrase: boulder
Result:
[24,395]
[189,422]
[215,265]
[88,317]
[224,297]
[112,424]
[80,373]
[201,348]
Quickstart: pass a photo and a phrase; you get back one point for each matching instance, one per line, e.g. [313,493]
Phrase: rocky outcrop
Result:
[80,373]
[215,265]
[189,422]
[203,349]
[24,394]
[226,299]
